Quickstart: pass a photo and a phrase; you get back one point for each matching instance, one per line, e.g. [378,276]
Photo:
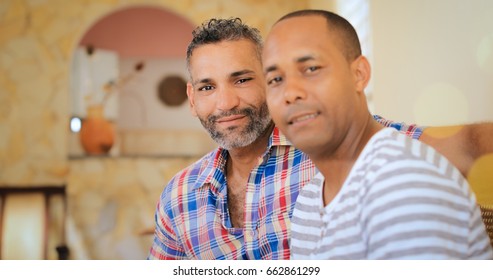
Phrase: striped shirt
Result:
[192,218]
[401,200]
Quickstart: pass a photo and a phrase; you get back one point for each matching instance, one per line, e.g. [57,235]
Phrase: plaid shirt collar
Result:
[216,161]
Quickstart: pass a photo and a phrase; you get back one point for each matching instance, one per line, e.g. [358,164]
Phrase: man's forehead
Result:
[239,49]
[298,40]
[298,28]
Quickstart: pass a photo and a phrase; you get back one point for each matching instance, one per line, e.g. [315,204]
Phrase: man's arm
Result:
[165,245]
[462,144]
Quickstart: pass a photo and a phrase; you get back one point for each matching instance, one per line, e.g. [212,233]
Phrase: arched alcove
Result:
[141,31]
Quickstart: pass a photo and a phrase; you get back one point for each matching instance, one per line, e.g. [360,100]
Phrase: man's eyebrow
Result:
[233,75]
[241,72]
[304,59]
[270,69]
[298,60]
[203,81]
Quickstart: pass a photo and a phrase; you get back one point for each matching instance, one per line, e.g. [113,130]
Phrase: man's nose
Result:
[294,90]
[227,99]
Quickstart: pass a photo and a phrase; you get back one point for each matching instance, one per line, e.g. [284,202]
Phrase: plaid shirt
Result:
[411,130]
[192,217]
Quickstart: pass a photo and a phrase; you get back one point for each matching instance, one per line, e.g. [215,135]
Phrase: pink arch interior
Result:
[141,32]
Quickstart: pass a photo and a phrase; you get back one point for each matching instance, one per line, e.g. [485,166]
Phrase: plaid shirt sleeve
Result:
[411,130]
[165,245]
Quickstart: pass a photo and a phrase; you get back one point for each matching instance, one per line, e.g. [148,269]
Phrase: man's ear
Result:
[362,72]
[191,100]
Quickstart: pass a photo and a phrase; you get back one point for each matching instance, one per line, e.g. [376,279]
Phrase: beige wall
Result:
[433,60]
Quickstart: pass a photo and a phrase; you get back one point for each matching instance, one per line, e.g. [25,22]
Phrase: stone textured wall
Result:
[112,203]
[111,200]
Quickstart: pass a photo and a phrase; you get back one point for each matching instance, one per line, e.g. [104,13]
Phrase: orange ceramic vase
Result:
[97,134]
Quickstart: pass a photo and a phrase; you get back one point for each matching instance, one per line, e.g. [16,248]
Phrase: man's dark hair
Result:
[349,43]
[219,30]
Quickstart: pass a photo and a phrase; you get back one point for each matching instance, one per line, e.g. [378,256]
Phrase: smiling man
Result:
[235,202]
[379,194]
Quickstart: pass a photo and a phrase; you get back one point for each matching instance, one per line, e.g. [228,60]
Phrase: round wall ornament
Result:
[172,90]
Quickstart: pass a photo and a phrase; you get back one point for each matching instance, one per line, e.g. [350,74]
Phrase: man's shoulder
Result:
[393,144]
[390,153]
[188,177]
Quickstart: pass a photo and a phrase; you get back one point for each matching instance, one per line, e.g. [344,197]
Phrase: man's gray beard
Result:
[259,121]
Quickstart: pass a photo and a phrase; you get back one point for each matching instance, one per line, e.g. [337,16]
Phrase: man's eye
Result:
[312,69]
[205,88]
[274,81]
[241,81]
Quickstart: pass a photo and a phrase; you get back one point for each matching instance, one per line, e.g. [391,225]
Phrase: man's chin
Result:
[235,142]
[228,145]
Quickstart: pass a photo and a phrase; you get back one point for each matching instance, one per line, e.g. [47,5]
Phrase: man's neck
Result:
[239,165]
[336,166]
[243,159]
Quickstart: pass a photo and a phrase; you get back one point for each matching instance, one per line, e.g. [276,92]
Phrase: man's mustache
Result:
[243,111]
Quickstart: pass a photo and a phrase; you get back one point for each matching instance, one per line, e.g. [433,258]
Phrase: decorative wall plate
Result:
[172,90]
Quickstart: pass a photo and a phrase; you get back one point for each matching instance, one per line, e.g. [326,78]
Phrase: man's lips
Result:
[302,117]
[230,118]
